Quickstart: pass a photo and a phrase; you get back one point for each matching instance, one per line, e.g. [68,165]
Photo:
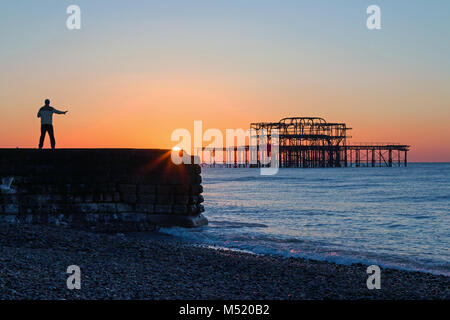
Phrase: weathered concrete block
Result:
[11,208]
[87,207]
[128,188]
[10,219]
[182,189]
[133,217]
[108,197]
[181,221]
[8,198]
[92,217]
[89,197]
[107,208]
[179,209]
[41,218]
[48,208]
[144,207]
[42,198]
[196,189]
[106,187]
[197,179]
[147,189]
[124,207]
[25,218]
[181,199]
[56,219]
[129,198]
[192,209]
[164,199]
[163,209]
[146,198]
[37,189]
[193,199]
[197,169]
[164,189]
[99,188]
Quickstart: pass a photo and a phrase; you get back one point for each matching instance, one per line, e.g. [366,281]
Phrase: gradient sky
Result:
[137,70]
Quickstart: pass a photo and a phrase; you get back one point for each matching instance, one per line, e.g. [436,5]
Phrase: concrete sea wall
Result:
[100,189]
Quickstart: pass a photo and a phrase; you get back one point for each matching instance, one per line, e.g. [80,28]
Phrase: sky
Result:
[138,70]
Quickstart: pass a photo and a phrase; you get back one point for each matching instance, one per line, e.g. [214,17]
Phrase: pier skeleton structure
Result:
[306,142]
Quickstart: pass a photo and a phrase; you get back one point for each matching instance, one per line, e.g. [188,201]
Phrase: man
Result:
[46,115]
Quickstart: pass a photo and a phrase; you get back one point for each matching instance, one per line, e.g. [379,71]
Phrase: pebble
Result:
[34,260]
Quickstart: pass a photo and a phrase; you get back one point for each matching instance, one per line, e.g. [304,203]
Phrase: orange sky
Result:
[129,80]
[142,111]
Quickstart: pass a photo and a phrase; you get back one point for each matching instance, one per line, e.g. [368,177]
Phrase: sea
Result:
[392,217]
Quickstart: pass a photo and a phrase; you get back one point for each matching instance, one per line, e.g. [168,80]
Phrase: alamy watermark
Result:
[374,280]
[374,20]
[74,280]
[73,22]
[258,148]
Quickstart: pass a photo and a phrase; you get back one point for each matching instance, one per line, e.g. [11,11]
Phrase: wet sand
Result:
[34,260]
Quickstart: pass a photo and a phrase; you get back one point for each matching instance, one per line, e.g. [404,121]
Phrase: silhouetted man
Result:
[46,115]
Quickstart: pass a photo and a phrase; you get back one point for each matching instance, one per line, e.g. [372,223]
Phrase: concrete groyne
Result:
[104,189]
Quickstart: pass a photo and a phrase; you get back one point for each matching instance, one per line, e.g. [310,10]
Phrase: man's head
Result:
[47,102]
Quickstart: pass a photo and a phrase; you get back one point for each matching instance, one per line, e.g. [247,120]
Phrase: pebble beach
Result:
[34,261]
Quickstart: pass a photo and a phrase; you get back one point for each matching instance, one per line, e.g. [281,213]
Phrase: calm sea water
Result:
[396,217]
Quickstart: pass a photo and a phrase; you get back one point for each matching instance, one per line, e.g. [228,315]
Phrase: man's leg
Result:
[52,135]
[41,140]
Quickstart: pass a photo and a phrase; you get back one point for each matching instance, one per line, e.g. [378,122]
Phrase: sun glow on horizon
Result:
[228,64]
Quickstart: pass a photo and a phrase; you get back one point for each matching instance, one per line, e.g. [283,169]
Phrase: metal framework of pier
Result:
[309,142]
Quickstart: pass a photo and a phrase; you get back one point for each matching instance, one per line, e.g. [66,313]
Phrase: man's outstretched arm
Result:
[39,113]
[59,112]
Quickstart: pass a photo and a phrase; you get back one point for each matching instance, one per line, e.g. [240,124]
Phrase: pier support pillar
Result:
[373,158]
[390,158]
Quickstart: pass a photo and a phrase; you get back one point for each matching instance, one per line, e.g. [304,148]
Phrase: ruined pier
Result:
[305,142]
